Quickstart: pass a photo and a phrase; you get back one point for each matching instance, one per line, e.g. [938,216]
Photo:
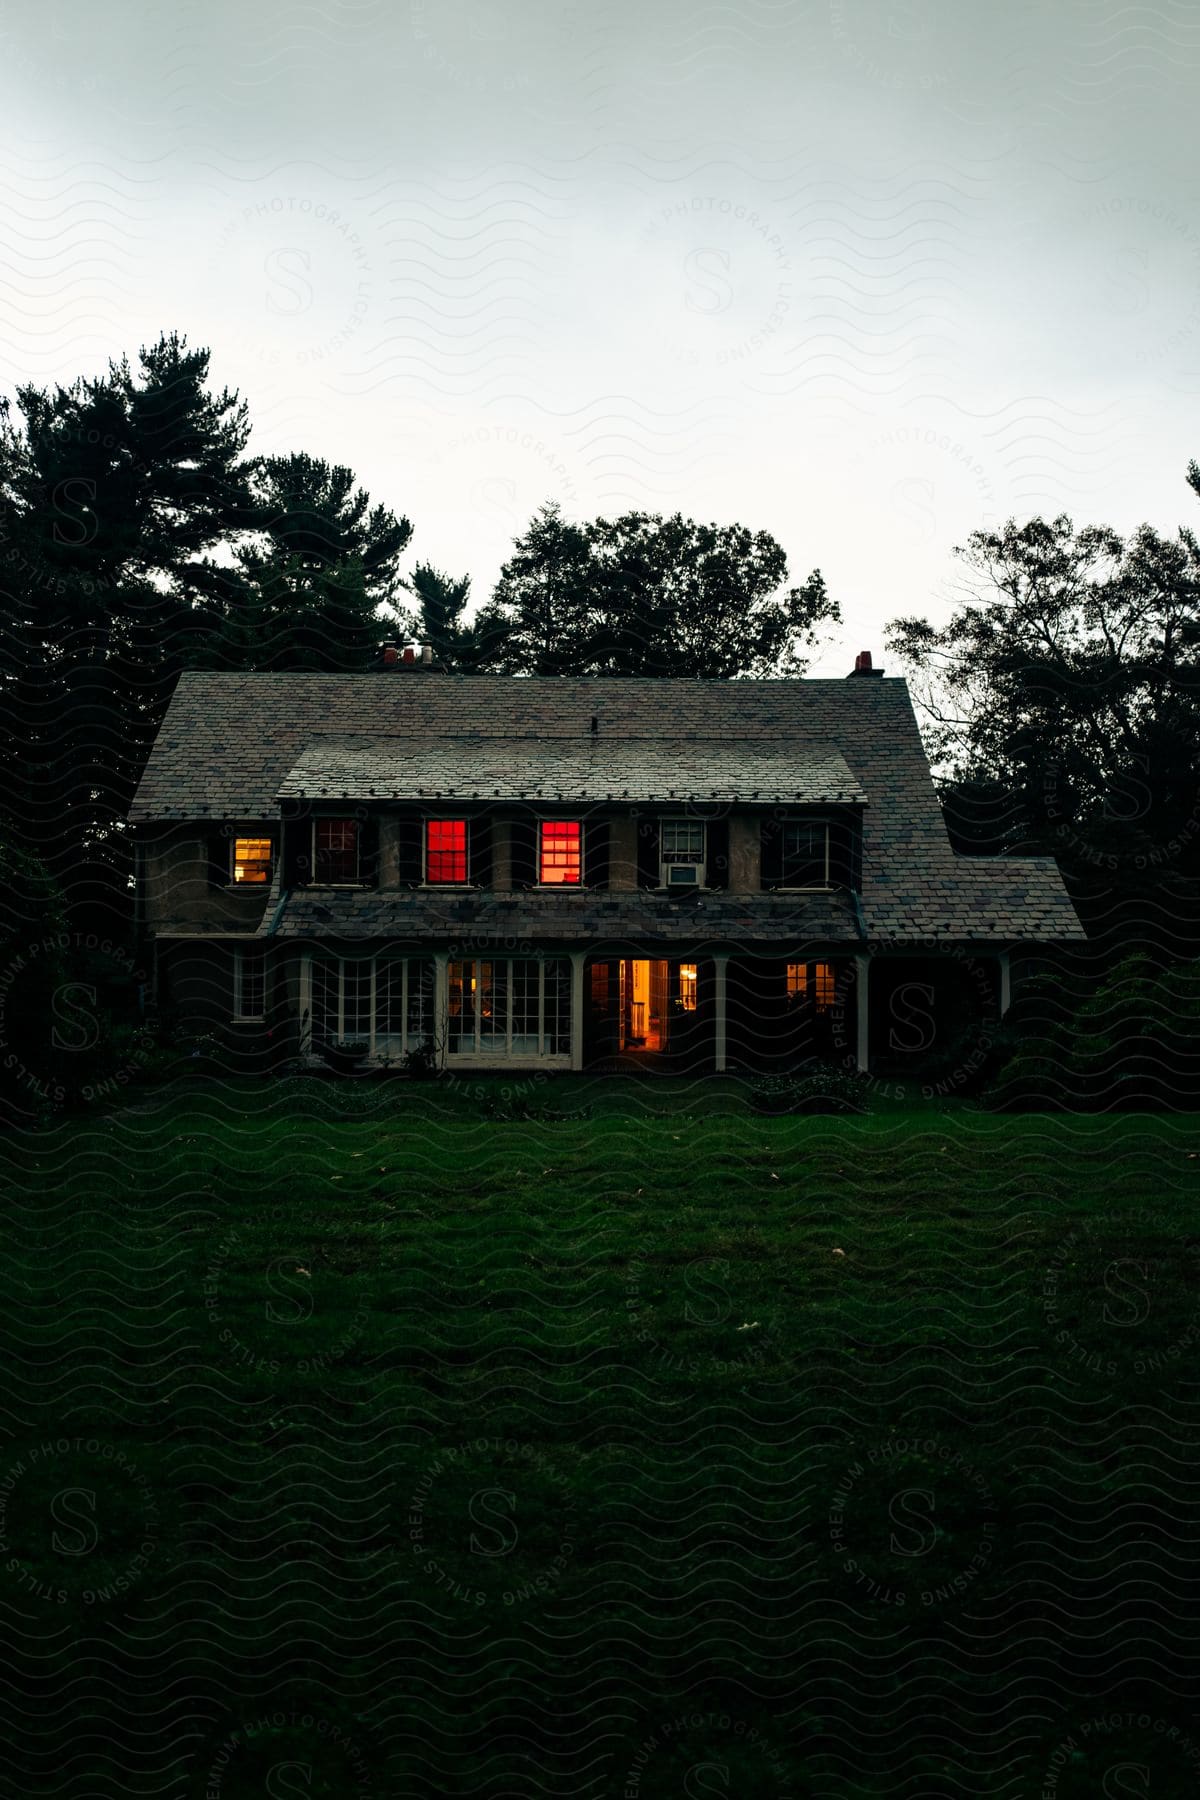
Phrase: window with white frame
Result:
[510,1006]
[681,852]
[335,852]
[560,853]
[249,983]
[804,853]
[385,1002]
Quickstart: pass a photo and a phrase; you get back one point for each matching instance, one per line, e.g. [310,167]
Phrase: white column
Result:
[306,1004]
[862,965]
[441,1005]
[577,957]
[720,965]
[1005,961]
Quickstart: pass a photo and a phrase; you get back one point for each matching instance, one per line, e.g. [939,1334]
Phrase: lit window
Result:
[683,853]
[804,854]
[559,863]
[249,984]
[251,861]
[446,850]
[336,851]
[687,986]
[812,982]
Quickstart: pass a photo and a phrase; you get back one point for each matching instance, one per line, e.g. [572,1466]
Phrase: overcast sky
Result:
[865,274]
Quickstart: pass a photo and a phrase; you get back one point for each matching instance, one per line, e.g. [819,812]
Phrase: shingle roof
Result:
[591,768]
[228,743]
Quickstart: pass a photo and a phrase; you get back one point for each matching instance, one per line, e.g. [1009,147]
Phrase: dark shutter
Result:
[410,850]
[595,853]
[716,854]
[479,851]
[524,836]
[368,850]
[649,861]
[296,834]
[772,853]
[220,853]
[845,851]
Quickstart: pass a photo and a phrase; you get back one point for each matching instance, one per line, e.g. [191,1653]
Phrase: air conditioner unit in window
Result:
[682,875]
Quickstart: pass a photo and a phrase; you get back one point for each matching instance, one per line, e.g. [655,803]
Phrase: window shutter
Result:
[772,853]
[368,850]
[295,850]
[479,851]
[524,851]
[219,850]
[716,854]
[845,852]
[409,850]
[648,837]
[595,853]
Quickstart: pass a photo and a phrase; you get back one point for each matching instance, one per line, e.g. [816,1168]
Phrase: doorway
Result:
[643,1013]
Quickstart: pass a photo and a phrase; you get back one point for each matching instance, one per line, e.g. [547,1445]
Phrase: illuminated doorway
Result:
[651,995]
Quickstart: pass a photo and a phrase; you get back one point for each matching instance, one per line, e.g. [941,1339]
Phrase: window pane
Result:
[461,1033]
[446,850]
[803,848]
[356,1001]
[252,860]
[337,850]
[824,990]
[688,987]
[420,1003]
[683,840]
[492,1003]
[325,990]
[557,1023]
[560,858]
[249,987]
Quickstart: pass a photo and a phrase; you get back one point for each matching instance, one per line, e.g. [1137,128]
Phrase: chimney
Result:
[408,656]
[390,656]
[862,665]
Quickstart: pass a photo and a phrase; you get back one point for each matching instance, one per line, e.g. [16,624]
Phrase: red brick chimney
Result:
[862,665]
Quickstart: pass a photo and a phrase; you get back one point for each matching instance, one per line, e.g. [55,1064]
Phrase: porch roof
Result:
[585,769]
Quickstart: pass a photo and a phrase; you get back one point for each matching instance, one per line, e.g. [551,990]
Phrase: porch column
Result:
[1005,962]
[441,1005]
[577,958]
[720,1035]
[862,965]
[306,1004]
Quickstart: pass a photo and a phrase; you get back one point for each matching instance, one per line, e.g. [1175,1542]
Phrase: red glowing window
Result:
[446,850]
[560,862]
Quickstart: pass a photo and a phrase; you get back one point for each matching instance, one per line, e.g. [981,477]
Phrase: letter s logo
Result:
[288,271]
[1124,1779]
[914,1518]
[287,1780]
[709,271]
[501,1504]
[83,1023]
[74,501]
[708,1298]
[706,1778]
[293,1290]
[75,1508]
[1120,1287]
[915,1021]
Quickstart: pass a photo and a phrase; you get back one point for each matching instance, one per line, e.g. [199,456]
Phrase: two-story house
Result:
[543,874]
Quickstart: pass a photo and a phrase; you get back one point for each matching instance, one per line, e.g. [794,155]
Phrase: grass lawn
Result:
[599,1439]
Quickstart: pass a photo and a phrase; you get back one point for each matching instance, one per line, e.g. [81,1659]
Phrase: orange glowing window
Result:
[446,850]
[814,982]
[560,861]
[688,987]
[252,861]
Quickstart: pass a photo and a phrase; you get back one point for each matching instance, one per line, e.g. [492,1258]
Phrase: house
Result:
[540,874]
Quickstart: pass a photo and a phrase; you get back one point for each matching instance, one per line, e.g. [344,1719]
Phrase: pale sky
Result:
[867,274]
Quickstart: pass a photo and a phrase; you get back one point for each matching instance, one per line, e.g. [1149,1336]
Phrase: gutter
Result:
[277,915]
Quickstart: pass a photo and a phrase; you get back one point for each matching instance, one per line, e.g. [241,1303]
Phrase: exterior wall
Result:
[177,889]
[623,853]
[745,853]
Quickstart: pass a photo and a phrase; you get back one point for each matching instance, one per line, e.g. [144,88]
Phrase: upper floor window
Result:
[335,851]
[560,853]
[446,851]
[804,854]
[682,852]
[251,861]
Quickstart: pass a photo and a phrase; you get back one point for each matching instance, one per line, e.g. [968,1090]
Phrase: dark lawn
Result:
[362,1438]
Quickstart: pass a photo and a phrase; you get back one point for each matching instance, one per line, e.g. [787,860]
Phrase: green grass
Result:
[639,1446]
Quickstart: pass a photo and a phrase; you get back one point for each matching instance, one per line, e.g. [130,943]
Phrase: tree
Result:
[439,621]
[1070,680]
[647,595]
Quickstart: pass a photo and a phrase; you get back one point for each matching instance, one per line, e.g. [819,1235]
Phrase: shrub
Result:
[813,1087]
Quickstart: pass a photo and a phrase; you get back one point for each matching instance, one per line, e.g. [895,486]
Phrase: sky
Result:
[866,274]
